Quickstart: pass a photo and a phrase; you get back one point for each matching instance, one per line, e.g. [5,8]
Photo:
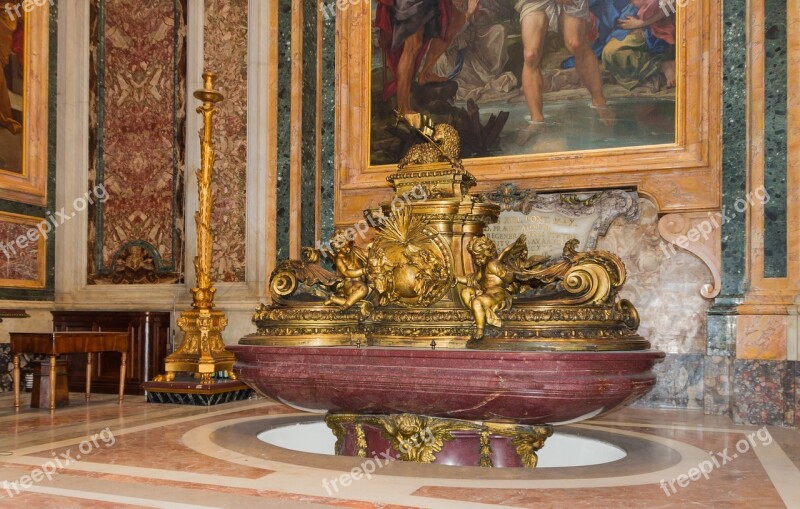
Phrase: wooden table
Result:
[59,343]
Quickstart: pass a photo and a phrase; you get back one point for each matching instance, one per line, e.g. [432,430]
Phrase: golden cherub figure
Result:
[350,263]
[499,276]
[488,289]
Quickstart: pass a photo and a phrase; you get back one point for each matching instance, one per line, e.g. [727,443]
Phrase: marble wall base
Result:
[717,390]
[6,367]
[746,374]
[765,392]
[796,393]
[755,392]
[679,385]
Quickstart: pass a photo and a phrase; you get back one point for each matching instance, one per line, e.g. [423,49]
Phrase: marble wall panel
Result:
[663,283]
[796,365]
[136,144]
[790,394]
[284,118]
[226,55]
[761,337]
[717,389]
[17,263]
[328,112]
[721,332]
[679,385]
[308,153]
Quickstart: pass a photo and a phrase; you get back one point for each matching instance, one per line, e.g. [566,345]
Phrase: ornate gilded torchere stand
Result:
[202,351]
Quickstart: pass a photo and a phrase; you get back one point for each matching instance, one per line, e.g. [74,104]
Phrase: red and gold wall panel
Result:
[137,141]
[226,55]
[23,252]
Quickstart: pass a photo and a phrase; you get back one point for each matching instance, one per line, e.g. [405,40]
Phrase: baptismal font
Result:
[433,342]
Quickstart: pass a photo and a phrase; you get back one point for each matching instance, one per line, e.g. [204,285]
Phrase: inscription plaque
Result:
[546,232]
[550,220]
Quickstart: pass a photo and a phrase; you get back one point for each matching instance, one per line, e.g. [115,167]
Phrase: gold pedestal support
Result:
[425,439]
[202,351]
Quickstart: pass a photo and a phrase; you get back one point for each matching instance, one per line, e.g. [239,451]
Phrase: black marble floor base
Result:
[190,392]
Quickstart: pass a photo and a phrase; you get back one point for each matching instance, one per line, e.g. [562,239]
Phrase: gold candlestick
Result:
[202,351]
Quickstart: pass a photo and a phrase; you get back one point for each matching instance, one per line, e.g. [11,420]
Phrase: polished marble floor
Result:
[100,454]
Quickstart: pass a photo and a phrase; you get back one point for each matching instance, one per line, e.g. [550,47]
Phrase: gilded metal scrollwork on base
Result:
[361,442]
[419,438]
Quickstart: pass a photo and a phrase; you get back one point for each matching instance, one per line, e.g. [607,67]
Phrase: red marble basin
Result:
[525,387]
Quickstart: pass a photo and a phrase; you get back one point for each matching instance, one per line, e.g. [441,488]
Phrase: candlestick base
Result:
[202,350]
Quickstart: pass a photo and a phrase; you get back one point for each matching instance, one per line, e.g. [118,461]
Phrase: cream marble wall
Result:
[664,284]
[39,320]
[664,287]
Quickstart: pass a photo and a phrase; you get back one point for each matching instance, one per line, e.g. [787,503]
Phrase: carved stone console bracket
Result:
[700,234]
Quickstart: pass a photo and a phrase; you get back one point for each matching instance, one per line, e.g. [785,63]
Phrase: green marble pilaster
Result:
[721,335]
[328,112]
[309,120]
[52,145]
[734,149]
[775,140]
[285,121]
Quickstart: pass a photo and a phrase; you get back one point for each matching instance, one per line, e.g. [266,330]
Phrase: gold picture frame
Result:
[30,185]
[680,176]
